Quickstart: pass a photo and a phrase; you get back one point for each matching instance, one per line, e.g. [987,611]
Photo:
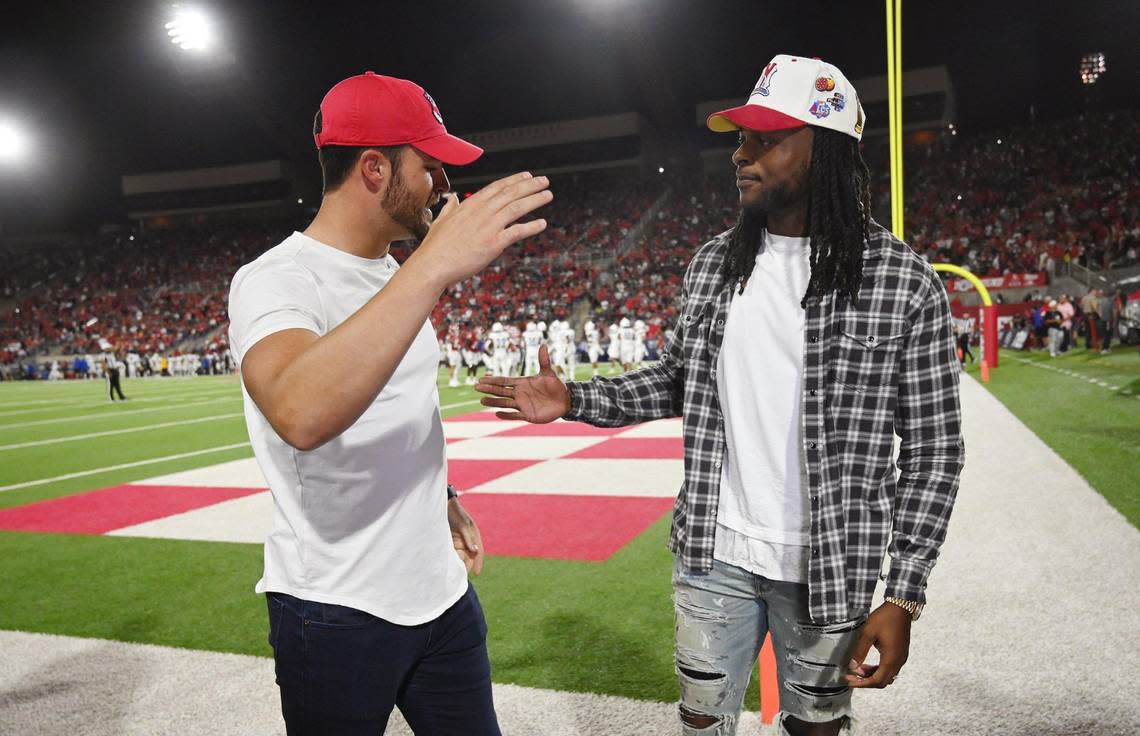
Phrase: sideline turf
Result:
[577,626]
[1094,428]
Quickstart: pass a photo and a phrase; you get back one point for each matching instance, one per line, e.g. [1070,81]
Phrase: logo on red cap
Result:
[762,87]
[434,108]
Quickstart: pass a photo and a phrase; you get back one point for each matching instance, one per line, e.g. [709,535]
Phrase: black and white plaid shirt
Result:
[881,366]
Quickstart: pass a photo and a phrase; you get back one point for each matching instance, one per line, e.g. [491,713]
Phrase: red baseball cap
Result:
[373,110]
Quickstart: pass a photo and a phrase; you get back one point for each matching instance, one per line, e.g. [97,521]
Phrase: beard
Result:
[779,197]
[402,207]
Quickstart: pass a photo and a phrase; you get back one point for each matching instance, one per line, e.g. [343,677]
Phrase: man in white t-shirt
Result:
[366,562]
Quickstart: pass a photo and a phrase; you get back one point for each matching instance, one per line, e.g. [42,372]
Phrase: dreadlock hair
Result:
[839,216]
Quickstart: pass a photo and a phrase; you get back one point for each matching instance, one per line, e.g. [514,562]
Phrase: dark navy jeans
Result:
[341,670]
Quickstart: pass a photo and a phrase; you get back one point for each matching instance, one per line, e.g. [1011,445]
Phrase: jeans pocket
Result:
[332,616]
[276,613]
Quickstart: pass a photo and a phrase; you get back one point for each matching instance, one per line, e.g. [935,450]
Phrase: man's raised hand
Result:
[469,235]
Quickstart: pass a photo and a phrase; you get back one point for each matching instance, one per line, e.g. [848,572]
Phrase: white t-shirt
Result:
[764,519]
[362,520]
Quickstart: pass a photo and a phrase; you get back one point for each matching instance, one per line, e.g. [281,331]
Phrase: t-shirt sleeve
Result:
[269,298]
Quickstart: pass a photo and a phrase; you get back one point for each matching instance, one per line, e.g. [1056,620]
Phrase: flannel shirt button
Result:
[815,338]
[720,323]
[812,392]
[811,445]
[814,552]
[717,464]
[870,338]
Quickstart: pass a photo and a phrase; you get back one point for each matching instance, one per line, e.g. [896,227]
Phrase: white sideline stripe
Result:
[121,466]
[519,448]
[176,398]
[162,425]
[462,430]
[1073,374]
[113,688]
[242,473]
[592,477]
[113,415]
[245,520]
[458,404]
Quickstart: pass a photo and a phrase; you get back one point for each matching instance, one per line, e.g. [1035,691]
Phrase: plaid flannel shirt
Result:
[883,365]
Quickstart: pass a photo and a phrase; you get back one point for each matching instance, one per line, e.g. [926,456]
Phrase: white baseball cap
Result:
[794,91]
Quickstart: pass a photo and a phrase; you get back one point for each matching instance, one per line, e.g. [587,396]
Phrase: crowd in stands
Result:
[1032,198]
[1044,197]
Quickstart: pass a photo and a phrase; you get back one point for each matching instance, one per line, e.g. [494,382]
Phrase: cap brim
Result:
[753,117]
[449,149]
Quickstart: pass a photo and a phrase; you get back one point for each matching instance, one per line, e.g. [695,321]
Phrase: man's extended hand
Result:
[465,536]
[888,630]
[537,399]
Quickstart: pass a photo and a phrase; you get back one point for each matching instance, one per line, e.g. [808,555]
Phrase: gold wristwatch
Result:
[914,608]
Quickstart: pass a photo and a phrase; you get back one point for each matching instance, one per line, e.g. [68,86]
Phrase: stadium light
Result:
[15,145]
[191,29]
[1092,66]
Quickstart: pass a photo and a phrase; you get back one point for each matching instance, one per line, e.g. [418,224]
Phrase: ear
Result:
[374,170]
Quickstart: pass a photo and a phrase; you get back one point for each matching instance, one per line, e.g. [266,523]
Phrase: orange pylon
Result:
[769,685]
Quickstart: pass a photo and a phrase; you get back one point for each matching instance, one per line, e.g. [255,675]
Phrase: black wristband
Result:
[451,492]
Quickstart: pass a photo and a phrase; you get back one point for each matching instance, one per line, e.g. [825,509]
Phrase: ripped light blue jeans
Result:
[722,617]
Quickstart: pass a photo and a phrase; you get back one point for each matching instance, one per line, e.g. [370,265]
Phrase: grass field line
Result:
[149,400]
[41,401]
[458,404]
[109,432]
[1075,374]
[114,414]
[122,466]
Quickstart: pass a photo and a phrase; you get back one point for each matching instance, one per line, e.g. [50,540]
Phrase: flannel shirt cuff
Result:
[578,398]
[907,580]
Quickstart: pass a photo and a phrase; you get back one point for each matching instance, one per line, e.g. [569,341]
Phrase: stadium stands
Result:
[1046,196]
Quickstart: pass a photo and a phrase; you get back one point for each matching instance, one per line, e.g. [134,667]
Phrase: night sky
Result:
[106,94]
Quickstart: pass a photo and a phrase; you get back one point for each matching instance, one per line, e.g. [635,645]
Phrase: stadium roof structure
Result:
[105,93]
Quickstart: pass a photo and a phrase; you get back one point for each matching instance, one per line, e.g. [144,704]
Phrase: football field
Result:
[130,534]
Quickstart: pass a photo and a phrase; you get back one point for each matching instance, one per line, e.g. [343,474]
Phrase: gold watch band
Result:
[914,608]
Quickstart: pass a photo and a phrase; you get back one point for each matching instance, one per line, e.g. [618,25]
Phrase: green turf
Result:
[590,627]
[587,627]
[1095,428]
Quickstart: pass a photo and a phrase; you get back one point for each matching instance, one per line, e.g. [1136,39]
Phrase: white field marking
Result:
[518,448]
[246,520]
[241,473]
[462,430]
[108,433]
[121,689]
[659,428]
[112,415]
[40,401]
[1074,374]
[121,466]
[592,477]
[104,406]
[459,404]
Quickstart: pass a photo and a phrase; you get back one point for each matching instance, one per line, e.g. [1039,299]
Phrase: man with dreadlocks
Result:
[809,336]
